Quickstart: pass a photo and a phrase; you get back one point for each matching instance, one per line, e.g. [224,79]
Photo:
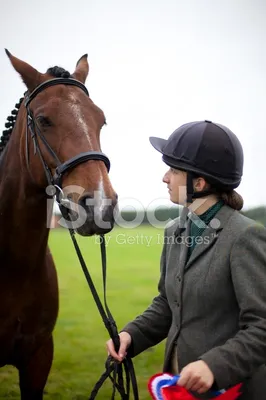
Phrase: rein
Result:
[113,369]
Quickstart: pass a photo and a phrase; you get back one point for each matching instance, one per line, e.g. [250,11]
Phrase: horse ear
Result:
[30,76]
[82,69]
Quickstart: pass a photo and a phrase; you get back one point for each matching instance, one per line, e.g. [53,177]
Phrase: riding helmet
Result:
[206,149]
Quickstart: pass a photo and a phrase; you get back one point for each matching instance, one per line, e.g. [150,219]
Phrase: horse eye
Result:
[44,121]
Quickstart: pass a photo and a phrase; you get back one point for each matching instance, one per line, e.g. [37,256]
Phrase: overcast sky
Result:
[154,65]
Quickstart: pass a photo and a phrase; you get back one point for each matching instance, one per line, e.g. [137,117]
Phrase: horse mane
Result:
[11,120]
[56,72]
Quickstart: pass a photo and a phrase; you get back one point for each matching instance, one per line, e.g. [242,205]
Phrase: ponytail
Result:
[232,199]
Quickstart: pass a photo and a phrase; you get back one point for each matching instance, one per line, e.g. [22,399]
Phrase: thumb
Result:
[183,377]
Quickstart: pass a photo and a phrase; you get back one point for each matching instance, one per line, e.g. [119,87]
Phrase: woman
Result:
[211,305]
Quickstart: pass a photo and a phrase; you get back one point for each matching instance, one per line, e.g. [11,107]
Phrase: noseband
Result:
[61,168]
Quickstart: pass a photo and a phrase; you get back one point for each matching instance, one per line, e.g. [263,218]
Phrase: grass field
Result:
[80,336]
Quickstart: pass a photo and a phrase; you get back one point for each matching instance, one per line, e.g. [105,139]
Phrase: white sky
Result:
[154,65]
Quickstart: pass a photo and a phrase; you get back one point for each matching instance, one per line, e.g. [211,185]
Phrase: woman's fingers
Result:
[196,376]
[122,350]
[125,341]
[111,350]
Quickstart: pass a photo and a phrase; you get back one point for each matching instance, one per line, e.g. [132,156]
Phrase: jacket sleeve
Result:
[241,355]
[153,325]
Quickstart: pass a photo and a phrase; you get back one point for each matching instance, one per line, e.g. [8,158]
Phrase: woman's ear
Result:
[200,184]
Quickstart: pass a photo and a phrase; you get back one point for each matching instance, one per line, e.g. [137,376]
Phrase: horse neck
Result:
[23,206]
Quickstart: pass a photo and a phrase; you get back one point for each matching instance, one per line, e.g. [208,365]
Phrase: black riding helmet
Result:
[206,149]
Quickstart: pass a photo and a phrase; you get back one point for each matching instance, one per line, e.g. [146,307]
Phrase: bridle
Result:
[36,134]
[113,370]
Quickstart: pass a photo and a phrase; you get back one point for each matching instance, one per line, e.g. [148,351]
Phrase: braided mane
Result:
[11,120]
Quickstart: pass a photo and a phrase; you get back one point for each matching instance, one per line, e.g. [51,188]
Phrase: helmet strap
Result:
[190,189]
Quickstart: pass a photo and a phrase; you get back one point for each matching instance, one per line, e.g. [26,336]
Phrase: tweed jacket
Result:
[213,306]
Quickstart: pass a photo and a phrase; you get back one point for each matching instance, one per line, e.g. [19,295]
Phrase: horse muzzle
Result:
[92,215]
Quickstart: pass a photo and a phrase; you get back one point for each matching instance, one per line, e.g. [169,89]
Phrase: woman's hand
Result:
[125,342]
[197,377]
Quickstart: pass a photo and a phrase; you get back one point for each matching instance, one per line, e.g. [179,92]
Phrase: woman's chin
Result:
[173,199]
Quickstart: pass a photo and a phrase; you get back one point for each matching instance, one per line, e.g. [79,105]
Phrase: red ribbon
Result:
[163,387]
[179,393]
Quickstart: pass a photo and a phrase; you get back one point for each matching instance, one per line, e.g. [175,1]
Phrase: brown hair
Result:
[232,199]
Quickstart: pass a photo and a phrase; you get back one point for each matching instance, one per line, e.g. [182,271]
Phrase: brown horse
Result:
[53,140]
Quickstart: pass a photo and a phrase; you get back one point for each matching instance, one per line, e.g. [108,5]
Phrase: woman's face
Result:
[176,181]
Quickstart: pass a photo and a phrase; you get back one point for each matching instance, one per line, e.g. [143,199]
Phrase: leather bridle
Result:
[61,168]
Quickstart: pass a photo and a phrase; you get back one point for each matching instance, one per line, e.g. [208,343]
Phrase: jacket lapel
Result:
[210,234]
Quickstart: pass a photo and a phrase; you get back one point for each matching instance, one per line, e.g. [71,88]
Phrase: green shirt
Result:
[199,222]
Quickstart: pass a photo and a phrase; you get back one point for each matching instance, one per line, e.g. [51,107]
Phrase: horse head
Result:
[57,134]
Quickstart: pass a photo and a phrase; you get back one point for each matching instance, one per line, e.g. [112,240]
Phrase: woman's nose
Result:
[166,178]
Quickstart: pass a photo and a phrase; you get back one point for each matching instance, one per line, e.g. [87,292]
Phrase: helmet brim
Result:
[158,143]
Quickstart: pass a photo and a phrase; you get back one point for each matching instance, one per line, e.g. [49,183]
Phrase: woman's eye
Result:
[44,121]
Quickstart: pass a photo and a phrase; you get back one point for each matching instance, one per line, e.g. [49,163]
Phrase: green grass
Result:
[80,336]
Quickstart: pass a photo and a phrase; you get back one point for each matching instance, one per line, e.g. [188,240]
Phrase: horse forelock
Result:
[58,72]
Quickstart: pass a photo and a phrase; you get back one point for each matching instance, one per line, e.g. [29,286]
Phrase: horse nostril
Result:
[99,213]
[86,201]
[94,205]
